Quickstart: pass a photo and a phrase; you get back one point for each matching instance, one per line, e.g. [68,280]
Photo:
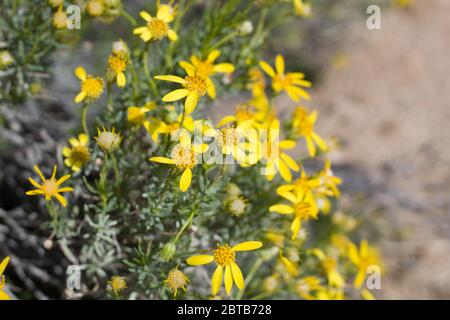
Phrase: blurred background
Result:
[383,95]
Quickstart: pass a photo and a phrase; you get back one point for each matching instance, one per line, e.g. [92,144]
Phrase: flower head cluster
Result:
[157,28]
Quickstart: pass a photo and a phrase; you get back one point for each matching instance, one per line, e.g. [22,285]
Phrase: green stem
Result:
[185,226]
[109,103]
[127,16]
[115,166]
[54,215]
[84,112]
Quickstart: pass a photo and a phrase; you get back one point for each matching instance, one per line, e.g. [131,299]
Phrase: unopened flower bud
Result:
[168,251]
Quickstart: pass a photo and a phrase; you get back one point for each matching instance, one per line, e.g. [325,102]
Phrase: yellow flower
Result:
[136,115]
[329,182]
[117,284]
[95,7]
[290,82]
[302,9]
[91,87]
[108,141]
[176,280]
[60,19]
[275,159]
[300,188]
[239,141]
[303,126]
[305,287]
[184,157]
[49,187]
[225,258]
[303,209]
[78,155]
[363,258]
[116,67]
[194,87]
[206,69]
[157,27]
[330,266]
[3,294]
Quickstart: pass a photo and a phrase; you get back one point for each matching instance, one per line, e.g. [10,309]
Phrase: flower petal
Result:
[175,95]
[224,68]
[62,179]
[282,209]
[228,279]
[279,64]
[39,173]
[267,68]
[80,73]
[295,227]
[216,280]
[191,102]
[213,55]
[61,199]
[80,97]
[200,260]
[185,180]
[171,78]
[121,79]
[146,16]
[34,183]
[3,265]
[247,246]
[162,160]
[237,276]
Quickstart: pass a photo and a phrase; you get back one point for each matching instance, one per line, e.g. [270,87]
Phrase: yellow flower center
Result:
[60,20]
[118,283]
[116,64]
[281,81]
[302,184]
[157,28]
[228,137]
[243,113]
[79,155]
[329,264]
[224,255]
[176,279]
[204,69]
[50,188]
[184,156]
[196,83]
[303,210]
[93,87]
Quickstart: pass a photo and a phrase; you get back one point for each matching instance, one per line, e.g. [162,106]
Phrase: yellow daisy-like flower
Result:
[91,87]
[3,294]
[303,126]
[194,87]
[362,258]
[303,209]
[184,157]
[329,182]
[225,258]
[291,82]
[206,69]
[239,141]
[157,27]
[275,159]
[117,284]
[60,19]
[49,187]
[107,140]
[176,280]
[116,67]
[78,155]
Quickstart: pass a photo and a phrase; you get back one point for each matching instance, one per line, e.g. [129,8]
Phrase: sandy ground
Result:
[389,106]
